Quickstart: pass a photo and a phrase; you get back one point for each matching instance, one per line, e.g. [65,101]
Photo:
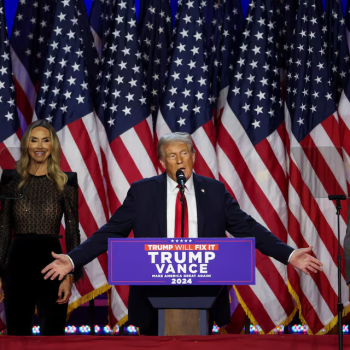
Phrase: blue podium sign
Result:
[173,261]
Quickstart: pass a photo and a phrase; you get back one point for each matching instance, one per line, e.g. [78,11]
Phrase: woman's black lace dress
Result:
[29,232]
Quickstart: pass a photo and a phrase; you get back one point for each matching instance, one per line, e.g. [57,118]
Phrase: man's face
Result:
[177,155]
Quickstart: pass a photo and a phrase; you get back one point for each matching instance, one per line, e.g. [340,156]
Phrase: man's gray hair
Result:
[174,137]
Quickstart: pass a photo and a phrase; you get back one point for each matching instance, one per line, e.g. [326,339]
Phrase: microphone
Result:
[181,178]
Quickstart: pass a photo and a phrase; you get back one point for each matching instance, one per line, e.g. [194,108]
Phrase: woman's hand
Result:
[2,294]
[65,290]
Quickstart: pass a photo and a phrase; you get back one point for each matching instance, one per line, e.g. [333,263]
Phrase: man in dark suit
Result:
[151,209]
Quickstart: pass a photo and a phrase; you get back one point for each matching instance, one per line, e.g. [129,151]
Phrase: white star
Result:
[246,107]
[119,79]
[328,96]
[171,105]
[256,124]
[256,50]
[126,51]
[178,61]
[67,48]
[318,80]
[236,90]
[192,64]
[59,77]
[133,82]
[184,107]
[67,95]
[173,90]
[62,17]
[300,121]
[261,95]
[195,50]
[196,109]
[65,3]
[113,108]
[189,78]
[130,97]
[128,37]
[75,67]
[80,99]
[199,95]
[127,110]
[184,33]
[58,31]
[116,93]
[186,93]
[53,105]
[64,109]
[182,121]
[198,36]
[201,81]
[71,81]
[258,110]
[9,116]
[56,91]
[122,65]
[111,122]
[249,93]
[254,64]
[176,76]
[259,36]
[71,35]
[181,47]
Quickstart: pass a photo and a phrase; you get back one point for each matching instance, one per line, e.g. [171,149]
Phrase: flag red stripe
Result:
[22,102]
[308,310]
[114,203]
[320,279]
[271,162]
[125,161]
[87,151]
[144,133]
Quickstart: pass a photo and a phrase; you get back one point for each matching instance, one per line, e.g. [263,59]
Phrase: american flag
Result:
[64,100]
[233,25]
[155,36]
[312,121]
[10,131]
[29,45]
[336,47]
[214,52]
[186,103]
[123,122]
[251,158]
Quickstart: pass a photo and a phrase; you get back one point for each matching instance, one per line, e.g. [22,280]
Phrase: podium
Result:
[184,311]
[188,277]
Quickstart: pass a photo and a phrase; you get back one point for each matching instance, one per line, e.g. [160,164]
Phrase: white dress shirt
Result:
[190,195]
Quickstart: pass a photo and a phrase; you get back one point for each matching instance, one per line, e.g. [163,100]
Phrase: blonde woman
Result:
[29,231]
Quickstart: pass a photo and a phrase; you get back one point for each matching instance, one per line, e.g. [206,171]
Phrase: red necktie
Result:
[178,214]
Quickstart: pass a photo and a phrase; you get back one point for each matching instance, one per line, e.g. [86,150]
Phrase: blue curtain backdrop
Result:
[11,5]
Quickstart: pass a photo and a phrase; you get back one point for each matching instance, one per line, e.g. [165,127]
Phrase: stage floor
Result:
[222,342]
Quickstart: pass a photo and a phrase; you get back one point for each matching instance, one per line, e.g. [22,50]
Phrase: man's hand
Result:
[60,267]
[2,294]
[305,262]
[64,291]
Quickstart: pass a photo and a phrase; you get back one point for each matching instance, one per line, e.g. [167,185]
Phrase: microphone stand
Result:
[337,199]
[182,191]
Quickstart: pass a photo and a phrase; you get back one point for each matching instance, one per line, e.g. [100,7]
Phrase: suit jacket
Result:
[145,212]
[347,250]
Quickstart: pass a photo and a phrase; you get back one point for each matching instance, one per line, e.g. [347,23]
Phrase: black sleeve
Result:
[71,217]
[119,225]
[6,218]
[239,224]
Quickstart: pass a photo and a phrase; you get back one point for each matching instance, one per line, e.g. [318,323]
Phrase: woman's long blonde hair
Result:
[54,172]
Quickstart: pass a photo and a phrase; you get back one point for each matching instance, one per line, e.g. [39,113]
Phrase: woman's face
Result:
[40,145]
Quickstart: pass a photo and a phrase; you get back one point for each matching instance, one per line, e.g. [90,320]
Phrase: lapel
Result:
[161,204]
[200,200]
